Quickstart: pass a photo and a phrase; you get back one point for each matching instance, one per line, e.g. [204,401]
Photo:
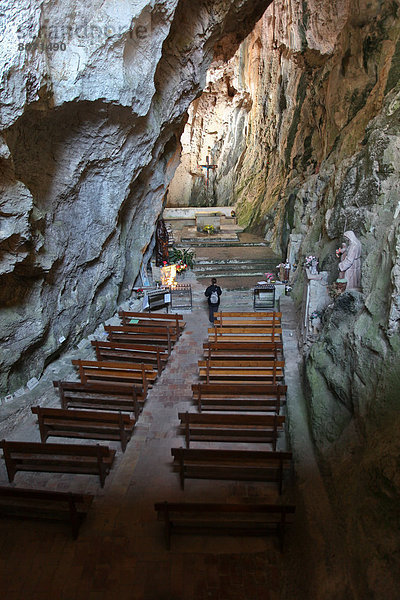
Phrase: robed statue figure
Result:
[350,266]
[161,243]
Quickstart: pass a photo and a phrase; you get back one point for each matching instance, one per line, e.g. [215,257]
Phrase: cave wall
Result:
[313,130]
[93,100]
[322,157]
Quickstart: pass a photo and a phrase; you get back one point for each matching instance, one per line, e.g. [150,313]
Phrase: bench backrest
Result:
[239,390]
[81,415]
[232,419]
[54,496]
[204,507]
[246,315]
[54,450]
[231,456]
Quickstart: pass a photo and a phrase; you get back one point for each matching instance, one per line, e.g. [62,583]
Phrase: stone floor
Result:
[120,552]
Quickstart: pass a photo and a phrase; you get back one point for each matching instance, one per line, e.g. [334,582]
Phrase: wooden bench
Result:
[130,334]
[118,351]
[84,424]
[239,397]
[247,319]
[231,428]
[101,396]
[57,458]
[236,465]
[195,518]
[120,372]
[169,320]
[241,370]
[45,504]
[245,334]
[245,350]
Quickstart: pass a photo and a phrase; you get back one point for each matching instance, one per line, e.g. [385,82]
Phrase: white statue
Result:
[350,266]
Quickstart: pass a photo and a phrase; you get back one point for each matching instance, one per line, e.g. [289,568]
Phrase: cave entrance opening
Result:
[201,210]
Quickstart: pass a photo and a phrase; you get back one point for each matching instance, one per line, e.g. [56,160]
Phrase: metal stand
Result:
[264,297]
[181,296]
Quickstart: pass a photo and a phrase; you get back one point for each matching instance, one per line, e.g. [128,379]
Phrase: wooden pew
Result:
[241,370]
[169,320]
[118,351]
[245,334]
[236,465]
[156,336]
[239,397]
[245,350]
[247,319]
[57,458]
[195,518]
[101,396]
[120,372]
[84,424]
[231,428]
[44,504]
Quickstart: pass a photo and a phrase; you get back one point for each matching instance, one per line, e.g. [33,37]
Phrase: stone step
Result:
[203,262]
[215,243]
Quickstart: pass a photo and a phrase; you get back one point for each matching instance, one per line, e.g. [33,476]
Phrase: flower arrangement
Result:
[182,256]
[181,266]
[309,260]
[139,293]
[269,277]
[341,250]
[317,314]
[208,229]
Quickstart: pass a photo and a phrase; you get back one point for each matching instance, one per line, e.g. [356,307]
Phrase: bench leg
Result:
[74,518]
[10,464]
[122,433]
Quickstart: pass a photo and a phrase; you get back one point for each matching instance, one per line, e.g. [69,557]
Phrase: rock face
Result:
[93,101]
[310,105]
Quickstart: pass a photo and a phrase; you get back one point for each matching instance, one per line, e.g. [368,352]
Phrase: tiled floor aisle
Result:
[120,552]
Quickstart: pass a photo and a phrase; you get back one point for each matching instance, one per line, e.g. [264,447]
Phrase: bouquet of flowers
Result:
[309,260]
[139,293]
[341,251]
[208,229]
[315,315]
[269,277]
[181,266]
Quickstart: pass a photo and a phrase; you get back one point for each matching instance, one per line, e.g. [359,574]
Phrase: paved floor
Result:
[120,552]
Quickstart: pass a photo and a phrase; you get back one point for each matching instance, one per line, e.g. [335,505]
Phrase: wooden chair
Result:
[84,424]
[26,503]
[195,518]
[231,428]
[57,458]
[239,397]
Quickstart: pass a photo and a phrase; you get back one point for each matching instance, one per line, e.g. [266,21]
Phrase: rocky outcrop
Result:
[315,152]
[93,102]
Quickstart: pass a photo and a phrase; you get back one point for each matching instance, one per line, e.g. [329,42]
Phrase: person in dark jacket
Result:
[213,293]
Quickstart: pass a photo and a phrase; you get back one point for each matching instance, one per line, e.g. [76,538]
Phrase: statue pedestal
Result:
[316,298]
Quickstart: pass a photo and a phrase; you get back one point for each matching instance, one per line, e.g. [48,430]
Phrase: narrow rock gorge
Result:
[297,103]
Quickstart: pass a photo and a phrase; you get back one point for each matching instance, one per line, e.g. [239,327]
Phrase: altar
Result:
[211,219]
